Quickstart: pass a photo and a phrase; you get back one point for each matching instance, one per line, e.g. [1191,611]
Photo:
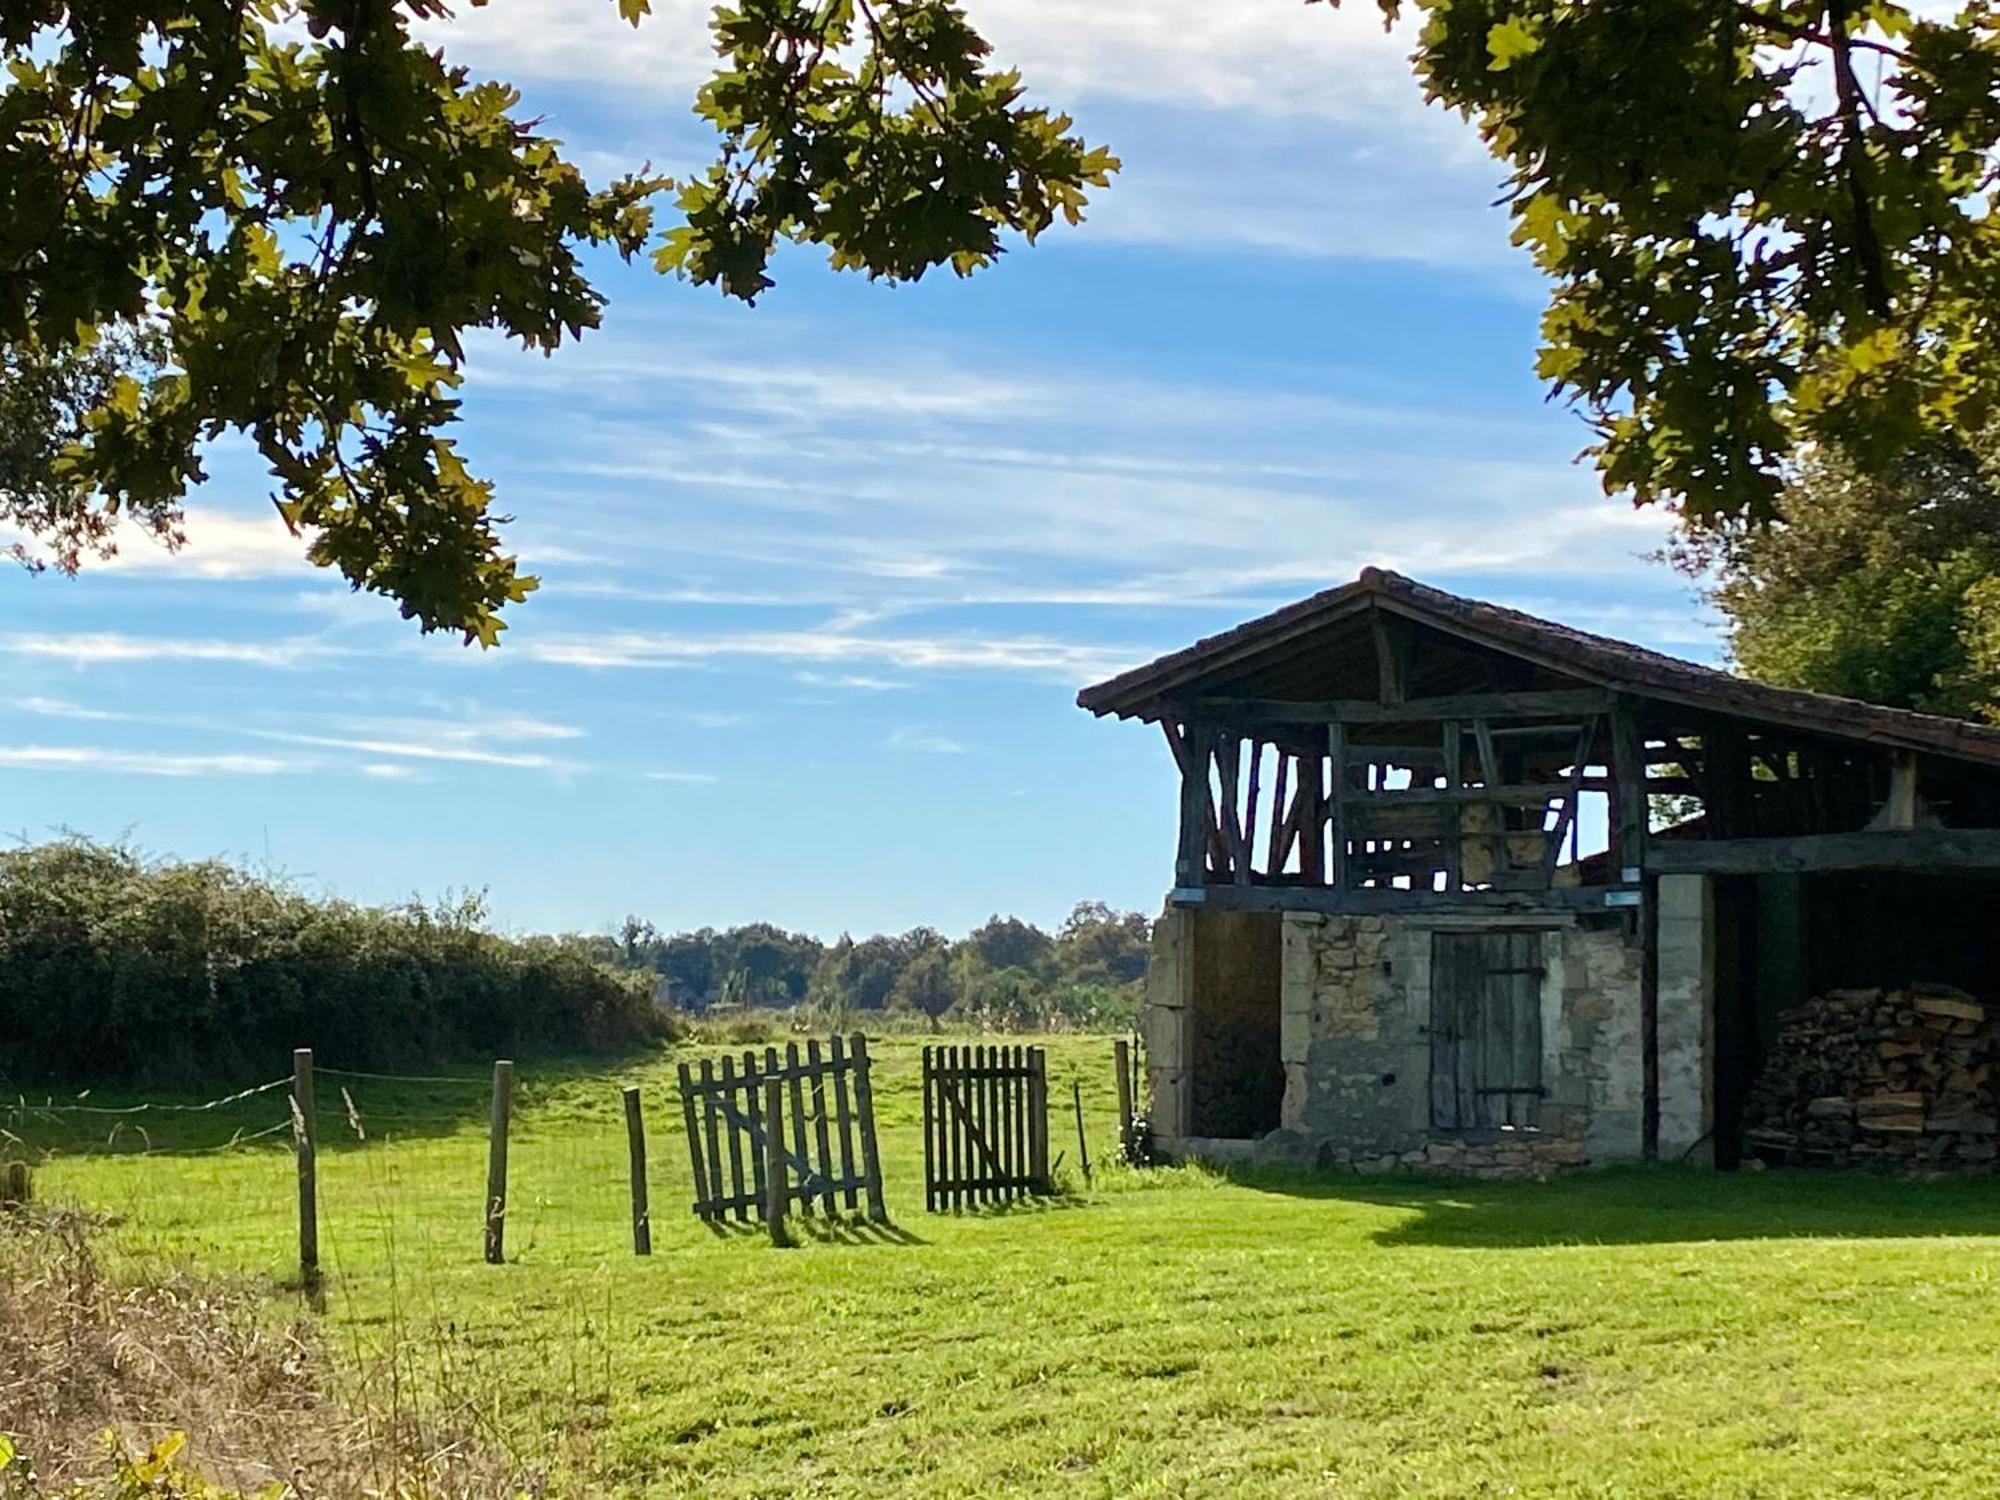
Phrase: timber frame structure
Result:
[1387,749]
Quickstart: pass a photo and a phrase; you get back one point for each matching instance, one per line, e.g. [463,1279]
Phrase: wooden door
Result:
[1486,1029]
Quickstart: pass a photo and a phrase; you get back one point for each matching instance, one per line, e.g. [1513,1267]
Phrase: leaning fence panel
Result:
[808,1160]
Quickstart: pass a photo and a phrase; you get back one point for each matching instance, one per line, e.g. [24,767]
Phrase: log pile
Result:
[1900,1077]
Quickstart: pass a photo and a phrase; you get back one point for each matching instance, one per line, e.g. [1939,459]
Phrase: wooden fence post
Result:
[1122,1054]
[635,1141]
[1082,1145]
[931,1107]
[864,1106]
[1038,1118]
[775,1195]
[306,1141]
[702,1206]
[496,1163]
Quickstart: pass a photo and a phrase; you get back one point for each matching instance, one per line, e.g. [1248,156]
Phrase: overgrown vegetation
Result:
[1005,974]
[114,967]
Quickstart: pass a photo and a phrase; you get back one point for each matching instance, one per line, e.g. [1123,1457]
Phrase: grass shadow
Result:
[841,1229]
[1027,1206]
[1652,1205]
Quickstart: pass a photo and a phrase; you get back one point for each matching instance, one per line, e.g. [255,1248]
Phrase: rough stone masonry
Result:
[1355,1011]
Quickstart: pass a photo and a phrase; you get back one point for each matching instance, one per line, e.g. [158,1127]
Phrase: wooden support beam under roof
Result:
[1556,903]
[1912,850]
[1570,702]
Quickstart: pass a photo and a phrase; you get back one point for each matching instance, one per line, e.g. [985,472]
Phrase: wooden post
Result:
[307,1142]
[1336,755]
[1628,794]
[1082,1144]
[1191,755]
[17,1184]
[1392,655]
[930,1135]
[1122,1054]
[702,1204]
[496,1163]
[1038,1118]
[775,1195]
[796,1081]
[836,1054]
[635,1140]
[864,1107]
[822,1137]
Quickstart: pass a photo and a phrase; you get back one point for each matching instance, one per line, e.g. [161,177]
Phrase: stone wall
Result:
[1354,1040]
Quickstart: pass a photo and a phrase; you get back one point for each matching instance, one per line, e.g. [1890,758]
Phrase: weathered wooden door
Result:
[1486,1029]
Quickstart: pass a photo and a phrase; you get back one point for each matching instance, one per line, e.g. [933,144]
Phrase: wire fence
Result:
[415,1157]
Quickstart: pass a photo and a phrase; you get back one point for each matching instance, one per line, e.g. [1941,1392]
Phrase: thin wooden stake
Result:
[635,1140]
[1122,1055]
[1082,1145]
[864,1107]
[307,1141]
[774,1159]
[496,1163]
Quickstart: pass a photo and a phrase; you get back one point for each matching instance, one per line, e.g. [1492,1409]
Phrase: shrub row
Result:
[112,967]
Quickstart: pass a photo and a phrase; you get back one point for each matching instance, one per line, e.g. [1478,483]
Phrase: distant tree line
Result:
[1006,973]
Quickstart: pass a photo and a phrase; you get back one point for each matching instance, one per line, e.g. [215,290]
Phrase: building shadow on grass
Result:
[1652,1206]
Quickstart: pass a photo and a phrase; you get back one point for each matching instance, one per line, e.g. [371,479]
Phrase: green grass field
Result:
[1165,1333]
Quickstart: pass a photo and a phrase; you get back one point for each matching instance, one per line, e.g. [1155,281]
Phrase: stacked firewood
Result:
[1884,1077]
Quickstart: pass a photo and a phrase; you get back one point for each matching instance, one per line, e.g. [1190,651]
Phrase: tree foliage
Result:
[1768,223]
[113,967]
[1005,973]
[1877,586]
[312,210]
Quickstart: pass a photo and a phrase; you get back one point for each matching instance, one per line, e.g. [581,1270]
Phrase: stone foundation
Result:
[1354,1040]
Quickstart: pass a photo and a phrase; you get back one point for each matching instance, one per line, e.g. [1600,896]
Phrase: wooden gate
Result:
[1486,1029]
[986,1125]
[805,1117]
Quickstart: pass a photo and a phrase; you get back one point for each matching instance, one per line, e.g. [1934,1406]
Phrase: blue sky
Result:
[821,578]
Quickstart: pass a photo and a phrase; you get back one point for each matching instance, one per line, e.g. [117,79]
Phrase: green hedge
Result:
[116,968]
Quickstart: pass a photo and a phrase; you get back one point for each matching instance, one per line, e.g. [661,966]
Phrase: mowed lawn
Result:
[1164,1333]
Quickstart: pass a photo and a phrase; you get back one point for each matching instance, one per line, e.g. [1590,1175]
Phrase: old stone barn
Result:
[1460,888]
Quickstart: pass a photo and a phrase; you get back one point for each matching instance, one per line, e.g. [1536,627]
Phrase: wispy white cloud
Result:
[94,648]
[857,682]
[411,749]
[691,778]
[474,739]
[713,719]
[1041,656]
[62,708]
[914,737]
[142,762]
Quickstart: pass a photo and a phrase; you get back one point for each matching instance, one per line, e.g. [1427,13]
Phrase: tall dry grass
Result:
[95,1362]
